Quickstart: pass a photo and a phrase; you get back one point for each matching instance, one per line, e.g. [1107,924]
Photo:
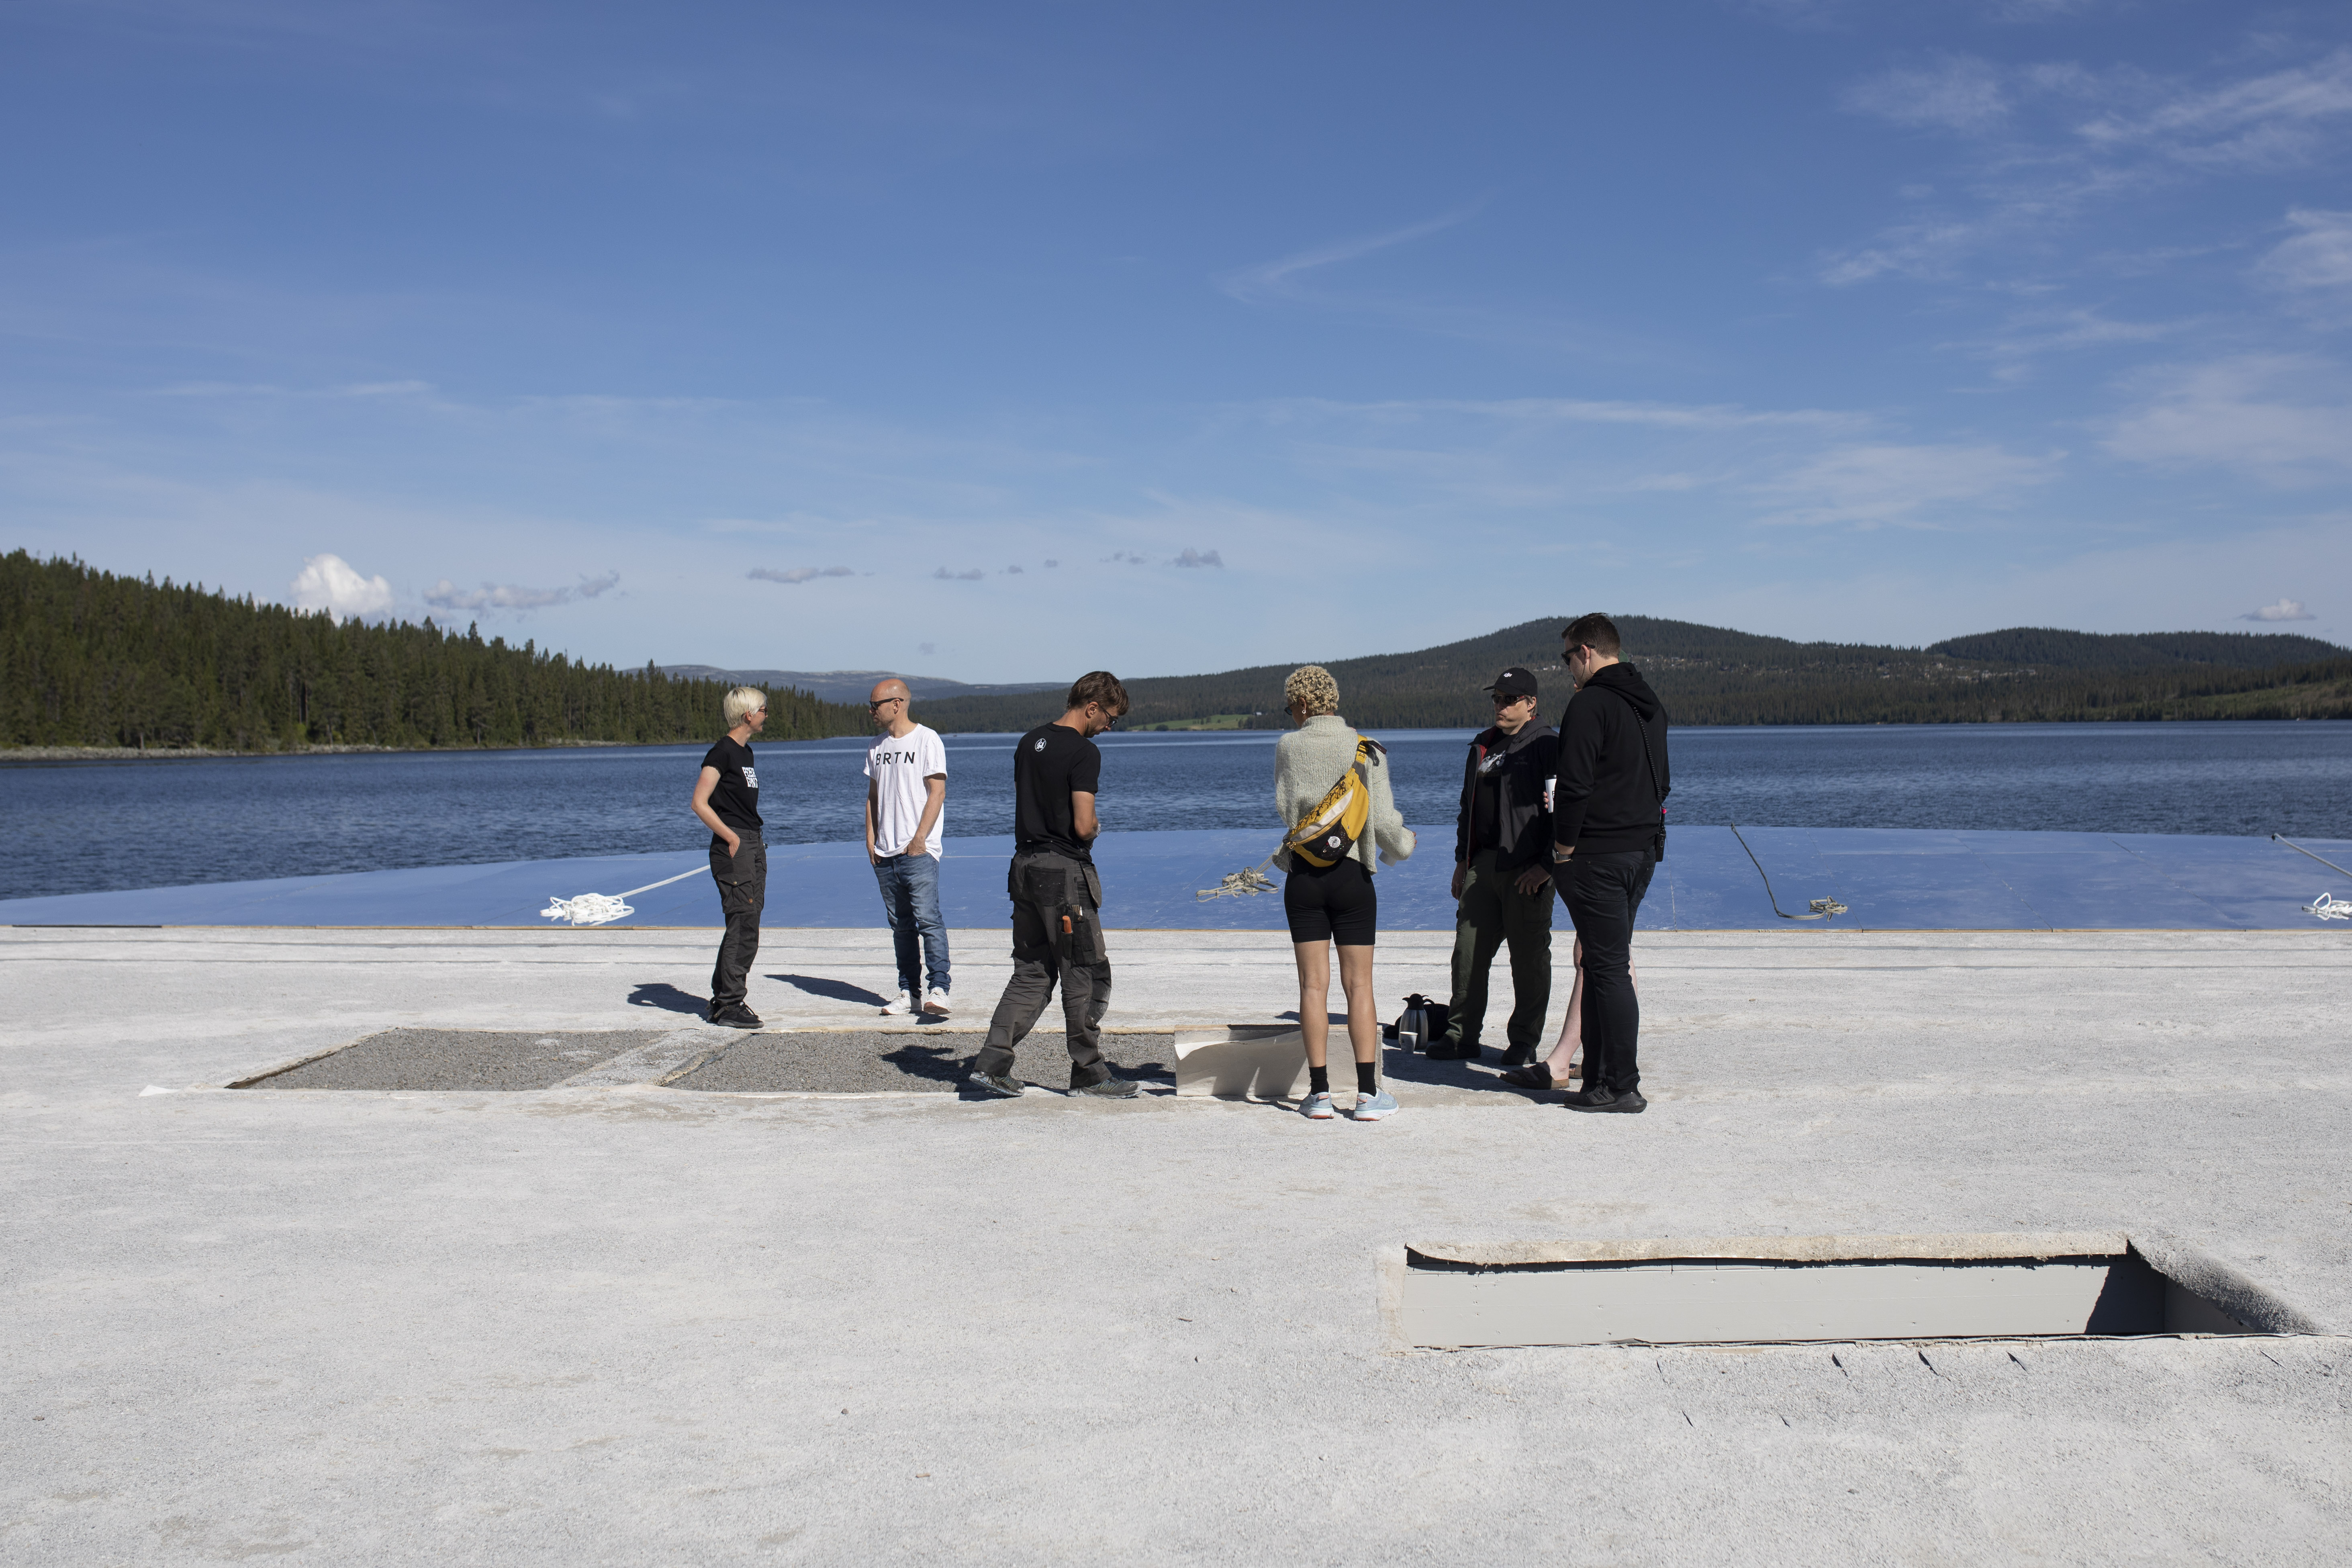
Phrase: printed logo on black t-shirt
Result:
[1040,745]
[750,778]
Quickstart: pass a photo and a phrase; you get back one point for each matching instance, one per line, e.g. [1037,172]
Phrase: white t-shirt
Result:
[899,764]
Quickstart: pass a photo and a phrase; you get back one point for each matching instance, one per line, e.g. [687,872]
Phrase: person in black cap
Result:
[1502,873]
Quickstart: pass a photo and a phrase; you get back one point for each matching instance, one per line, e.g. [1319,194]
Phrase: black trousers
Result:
[1056,939]
[1493,911]
[743,880]
[1603,894]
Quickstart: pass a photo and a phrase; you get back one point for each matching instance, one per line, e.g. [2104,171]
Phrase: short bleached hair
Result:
[1313,686]
[743,699]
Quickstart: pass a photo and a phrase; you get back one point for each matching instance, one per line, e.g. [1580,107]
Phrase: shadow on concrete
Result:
[940,1063]
[668,998]
[831,990]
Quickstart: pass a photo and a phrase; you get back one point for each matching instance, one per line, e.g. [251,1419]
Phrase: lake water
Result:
[79,828]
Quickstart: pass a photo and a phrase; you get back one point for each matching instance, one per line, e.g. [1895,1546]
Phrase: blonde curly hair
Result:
[1312,684]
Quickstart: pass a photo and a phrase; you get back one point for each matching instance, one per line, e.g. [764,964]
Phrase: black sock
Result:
[1318,1080]
[1367,1078]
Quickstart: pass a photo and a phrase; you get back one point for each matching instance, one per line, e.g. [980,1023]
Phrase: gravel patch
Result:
[852,1062]
[462,1059]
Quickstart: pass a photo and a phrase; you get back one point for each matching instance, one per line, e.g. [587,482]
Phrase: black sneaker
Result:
[994,1084]
[1442,1052]
[1631,1101]
[1468,1053]
[735,1015]
[1112,1087]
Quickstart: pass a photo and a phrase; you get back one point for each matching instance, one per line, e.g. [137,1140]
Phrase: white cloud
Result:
[2260,121]
[797,573]
[1278,281]
[2029,336]
[1191,557]
[446,596]
[2284,610]
[2278,417]
[1962,94]
[1878,485]
[973,575]
[1125,558]
[1013,572]
[1053,563]
[2318,258]
[330,582]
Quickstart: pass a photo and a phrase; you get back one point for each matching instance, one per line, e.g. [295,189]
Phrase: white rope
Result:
[2329,908]
[1239,884]
[601,909]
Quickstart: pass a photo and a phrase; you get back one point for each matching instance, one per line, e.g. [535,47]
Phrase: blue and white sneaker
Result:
[1375,1107]
[1318,1107]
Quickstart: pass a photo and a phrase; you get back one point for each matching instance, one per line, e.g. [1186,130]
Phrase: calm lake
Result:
[77,827]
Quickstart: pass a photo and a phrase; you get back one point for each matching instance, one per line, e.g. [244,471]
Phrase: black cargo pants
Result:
[1603,893]
[1057,937]
[743,879]
[1493,911]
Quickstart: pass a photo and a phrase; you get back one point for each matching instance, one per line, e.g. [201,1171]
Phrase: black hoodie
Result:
[1605,800]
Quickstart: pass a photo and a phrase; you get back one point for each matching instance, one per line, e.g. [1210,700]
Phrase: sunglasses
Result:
[1503,700]
[883,703]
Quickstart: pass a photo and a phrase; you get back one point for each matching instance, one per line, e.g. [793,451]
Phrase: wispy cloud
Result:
[2316,259]
[333,584]
[1191,557]
[1125,558]
[1281,281]
[2284,610]
[973,575]
[1884,485]
[446,596]
[1562,411]
[1958,94]
[2282,418]
[2268,119]
[1013,572]
[797,573]
[2031,334]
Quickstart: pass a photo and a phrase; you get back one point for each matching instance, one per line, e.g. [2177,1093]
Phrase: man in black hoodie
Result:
[1502,874]
[1609,832]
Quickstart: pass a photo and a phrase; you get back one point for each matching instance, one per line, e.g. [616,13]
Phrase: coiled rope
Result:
[600,908]
[1239,884]
[2328,907]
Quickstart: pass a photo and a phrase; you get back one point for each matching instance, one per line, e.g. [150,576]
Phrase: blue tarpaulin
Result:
[1889,879]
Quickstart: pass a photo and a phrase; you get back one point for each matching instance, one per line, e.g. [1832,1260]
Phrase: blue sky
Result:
[1002,342]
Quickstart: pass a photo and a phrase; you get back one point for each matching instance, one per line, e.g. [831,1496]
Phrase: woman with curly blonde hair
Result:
[1334,905]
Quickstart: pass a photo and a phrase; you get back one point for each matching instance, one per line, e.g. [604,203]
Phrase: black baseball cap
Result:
[1515,681]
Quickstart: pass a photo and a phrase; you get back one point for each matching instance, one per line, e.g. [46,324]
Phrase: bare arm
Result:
[935,791]
[1082,816]
[870,808]
[700,805]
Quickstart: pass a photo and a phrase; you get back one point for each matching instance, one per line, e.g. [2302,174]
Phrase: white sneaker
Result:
[936,1001]
[897,1005]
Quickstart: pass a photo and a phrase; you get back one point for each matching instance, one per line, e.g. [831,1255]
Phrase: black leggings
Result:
[1331,903]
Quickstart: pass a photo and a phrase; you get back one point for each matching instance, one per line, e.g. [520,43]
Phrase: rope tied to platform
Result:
[2328,907]
[604,909]
[1239,884]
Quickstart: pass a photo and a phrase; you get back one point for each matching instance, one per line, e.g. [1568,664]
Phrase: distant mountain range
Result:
[1710,675]
[856,685]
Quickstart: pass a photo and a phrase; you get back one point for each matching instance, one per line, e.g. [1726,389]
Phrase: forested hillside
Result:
[1709,674]
[89,658]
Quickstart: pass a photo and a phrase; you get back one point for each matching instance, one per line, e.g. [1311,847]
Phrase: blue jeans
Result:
[910,898]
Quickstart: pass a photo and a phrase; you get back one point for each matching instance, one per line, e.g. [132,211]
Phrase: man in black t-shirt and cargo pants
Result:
[1057,897]
[726,800]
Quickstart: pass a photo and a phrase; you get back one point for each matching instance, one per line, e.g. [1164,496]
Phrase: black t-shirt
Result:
[736,796]
[1050,762]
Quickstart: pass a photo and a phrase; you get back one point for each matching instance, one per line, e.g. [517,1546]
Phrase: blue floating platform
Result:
[1888,879]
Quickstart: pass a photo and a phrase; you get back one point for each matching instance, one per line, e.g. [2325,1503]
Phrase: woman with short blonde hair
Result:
[1334,905]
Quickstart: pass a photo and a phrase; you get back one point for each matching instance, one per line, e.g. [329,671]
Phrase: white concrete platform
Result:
[623,1324]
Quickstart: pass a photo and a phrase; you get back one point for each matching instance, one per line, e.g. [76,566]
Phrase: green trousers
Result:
[1493,911]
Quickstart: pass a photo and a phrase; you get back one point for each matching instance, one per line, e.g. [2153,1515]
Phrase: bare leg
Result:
[1571,1028]
[1355,979]
[1314,997]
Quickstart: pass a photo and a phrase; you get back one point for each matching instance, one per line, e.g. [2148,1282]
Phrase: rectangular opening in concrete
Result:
[1786,1289]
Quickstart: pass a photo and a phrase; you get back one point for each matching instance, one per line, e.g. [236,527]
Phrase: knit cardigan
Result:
[1308,761]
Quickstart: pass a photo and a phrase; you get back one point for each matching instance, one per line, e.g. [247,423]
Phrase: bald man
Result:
[906,805]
